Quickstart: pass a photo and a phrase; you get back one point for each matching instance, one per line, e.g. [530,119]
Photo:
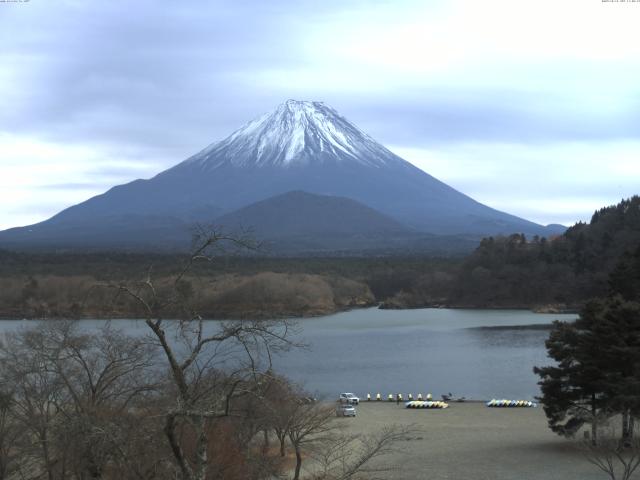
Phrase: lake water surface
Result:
[409,351]
[420,351]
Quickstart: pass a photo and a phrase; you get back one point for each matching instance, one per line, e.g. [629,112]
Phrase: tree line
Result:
[230,287]
[515,271]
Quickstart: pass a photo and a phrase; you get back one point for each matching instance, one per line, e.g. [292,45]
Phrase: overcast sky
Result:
[531,107]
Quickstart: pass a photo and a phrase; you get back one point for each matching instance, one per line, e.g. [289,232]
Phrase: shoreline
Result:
[311,315]
[559,309]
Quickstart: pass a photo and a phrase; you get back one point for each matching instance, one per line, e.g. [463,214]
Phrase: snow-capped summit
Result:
[296,132]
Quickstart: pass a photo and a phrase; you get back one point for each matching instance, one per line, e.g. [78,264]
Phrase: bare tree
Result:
[279,402]
[37,394]
[11,435]
[73,394]
[350,457]
[104,376]
[313,433]
[310,424]
[617,458]
[193,348]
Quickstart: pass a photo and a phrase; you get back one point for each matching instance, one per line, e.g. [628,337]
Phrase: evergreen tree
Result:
[625,277]
[598,368]
[573,390]
[568,269]
[616,326]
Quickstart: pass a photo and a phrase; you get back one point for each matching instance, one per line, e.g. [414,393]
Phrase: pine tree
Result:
[598,368]
[573,390]
[616,326]
[625,277]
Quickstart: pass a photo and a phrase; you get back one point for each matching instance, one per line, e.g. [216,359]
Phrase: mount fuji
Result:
[299,147]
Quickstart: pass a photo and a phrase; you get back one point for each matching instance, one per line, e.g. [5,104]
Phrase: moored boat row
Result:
[510,403]
[426,404]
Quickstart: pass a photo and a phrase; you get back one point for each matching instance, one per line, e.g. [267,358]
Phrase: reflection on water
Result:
[408,351]
[508,338]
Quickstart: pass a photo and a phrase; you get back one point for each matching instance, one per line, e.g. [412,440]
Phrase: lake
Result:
[421,351]
[409,351]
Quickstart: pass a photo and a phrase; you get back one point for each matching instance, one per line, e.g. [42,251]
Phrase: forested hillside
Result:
[548,274]
[515,271]
[39,285]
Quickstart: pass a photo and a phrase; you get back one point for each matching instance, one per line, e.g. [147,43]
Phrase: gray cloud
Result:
[144,74]
[74,186]
[187,74]
[117,170]
[435,116]
[150,84]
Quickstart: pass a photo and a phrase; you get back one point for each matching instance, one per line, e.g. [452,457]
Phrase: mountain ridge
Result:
[308,213]
[300,146]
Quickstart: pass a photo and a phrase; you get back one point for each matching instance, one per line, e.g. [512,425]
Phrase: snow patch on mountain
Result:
[296,132]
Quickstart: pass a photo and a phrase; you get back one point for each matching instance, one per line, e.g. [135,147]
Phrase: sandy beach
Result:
[471,441]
